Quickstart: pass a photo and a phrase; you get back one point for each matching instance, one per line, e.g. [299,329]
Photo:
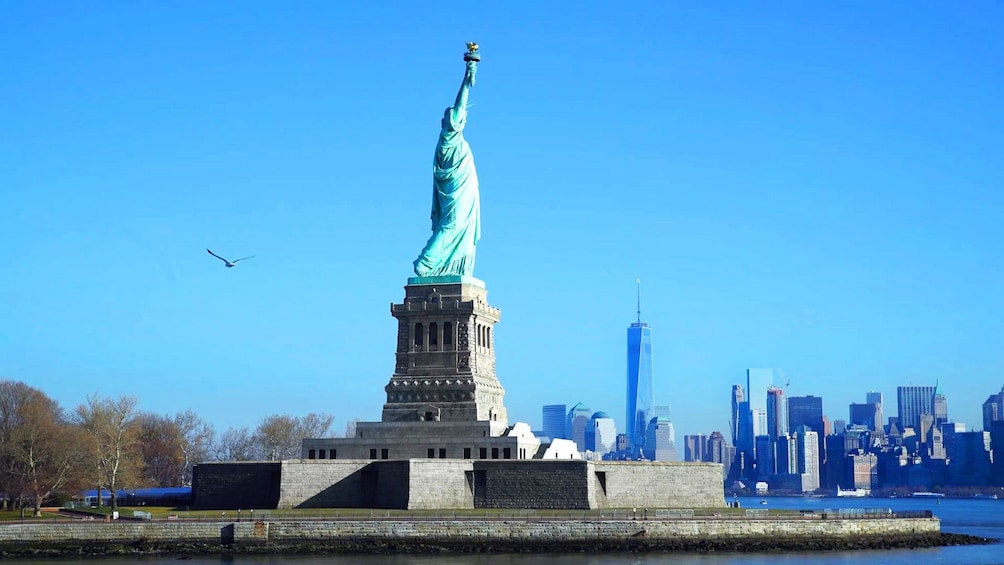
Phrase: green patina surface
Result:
[446,279]
[456,201]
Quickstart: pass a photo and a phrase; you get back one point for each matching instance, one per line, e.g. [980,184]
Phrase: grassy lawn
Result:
[163,513]
[6,515]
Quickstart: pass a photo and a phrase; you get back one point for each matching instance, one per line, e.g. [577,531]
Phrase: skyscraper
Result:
[745,442]
[806,411]
[738,400]
[876,398]
[936,444]
[924,431]
[764,457]
[695,447]
[600,434]
[940,406]
[993,411]
[996,431]
[864,471]
[808,457]
[660,443]
[759,419]
[838,447]
[913,401]
[575,425]
[869,415]
[970,455]
[786,455]
[640,386]
[554,416]
[718,449]
[777,413]
[758,381]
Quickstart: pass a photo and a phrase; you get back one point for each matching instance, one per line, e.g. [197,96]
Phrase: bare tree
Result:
[276,437]
[350,427]
[280,436]
[10,394]
[196,441]
[313,425]
[171,445]
[109,424]
[38,447]
[159,441]
[235,444]
[45,448]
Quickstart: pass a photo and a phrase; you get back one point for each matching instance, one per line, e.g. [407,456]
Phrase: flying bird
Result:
[229,263]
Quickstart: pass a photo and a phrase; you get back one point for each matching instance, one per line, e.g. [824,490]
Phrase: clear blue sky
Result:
[815,187]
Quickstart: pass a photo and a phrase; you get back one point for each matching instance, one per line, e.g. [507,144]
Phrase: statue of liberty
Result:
[456,203]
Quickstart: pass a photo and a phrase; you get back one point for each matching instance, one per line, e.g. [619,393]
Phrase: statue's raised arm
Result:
[458,112]
[456,201]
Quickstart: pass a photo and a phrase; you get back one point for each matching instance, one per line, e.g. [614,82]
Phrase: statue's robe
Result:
[456,203]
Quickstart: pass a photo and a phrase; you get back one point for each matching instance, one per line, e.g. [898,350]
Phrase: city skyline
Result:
[798,187]
[809,411]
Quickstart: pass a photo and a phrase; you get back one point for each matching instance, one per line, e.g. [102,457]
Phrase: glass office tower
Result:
[777,413]
[640,387]
[554,421]
[806,411]
[758,381]
[912,402]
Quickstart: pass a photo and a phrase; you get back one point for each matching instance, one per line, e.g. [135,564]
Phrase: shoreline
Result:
[756,533]
[494,546]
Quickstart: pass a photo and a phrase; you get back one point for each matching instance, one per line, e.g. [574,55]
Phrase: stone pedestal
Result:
[443,400]
[445,358]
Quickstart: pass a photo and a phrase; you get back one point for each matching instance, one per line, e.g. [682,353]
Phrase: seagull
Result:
[229,263]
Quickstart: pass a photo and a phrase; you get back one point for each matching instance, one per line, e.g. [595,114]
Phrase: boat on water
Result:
[924,494]
[853,492]
[986,496]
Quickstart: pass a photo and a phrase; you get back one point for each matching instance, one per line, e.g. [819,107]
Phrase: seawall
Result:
[471,535]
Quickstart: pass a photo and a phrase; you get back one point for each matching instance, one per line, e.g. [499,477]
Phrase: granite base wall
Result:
[236,485]
[440,484]
[327,484]
[630,484]
[533,484]
[457,484]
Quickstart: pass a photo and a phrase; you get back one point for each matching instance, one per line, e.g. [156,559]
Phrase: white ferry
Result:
[925,494]
[853,492]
